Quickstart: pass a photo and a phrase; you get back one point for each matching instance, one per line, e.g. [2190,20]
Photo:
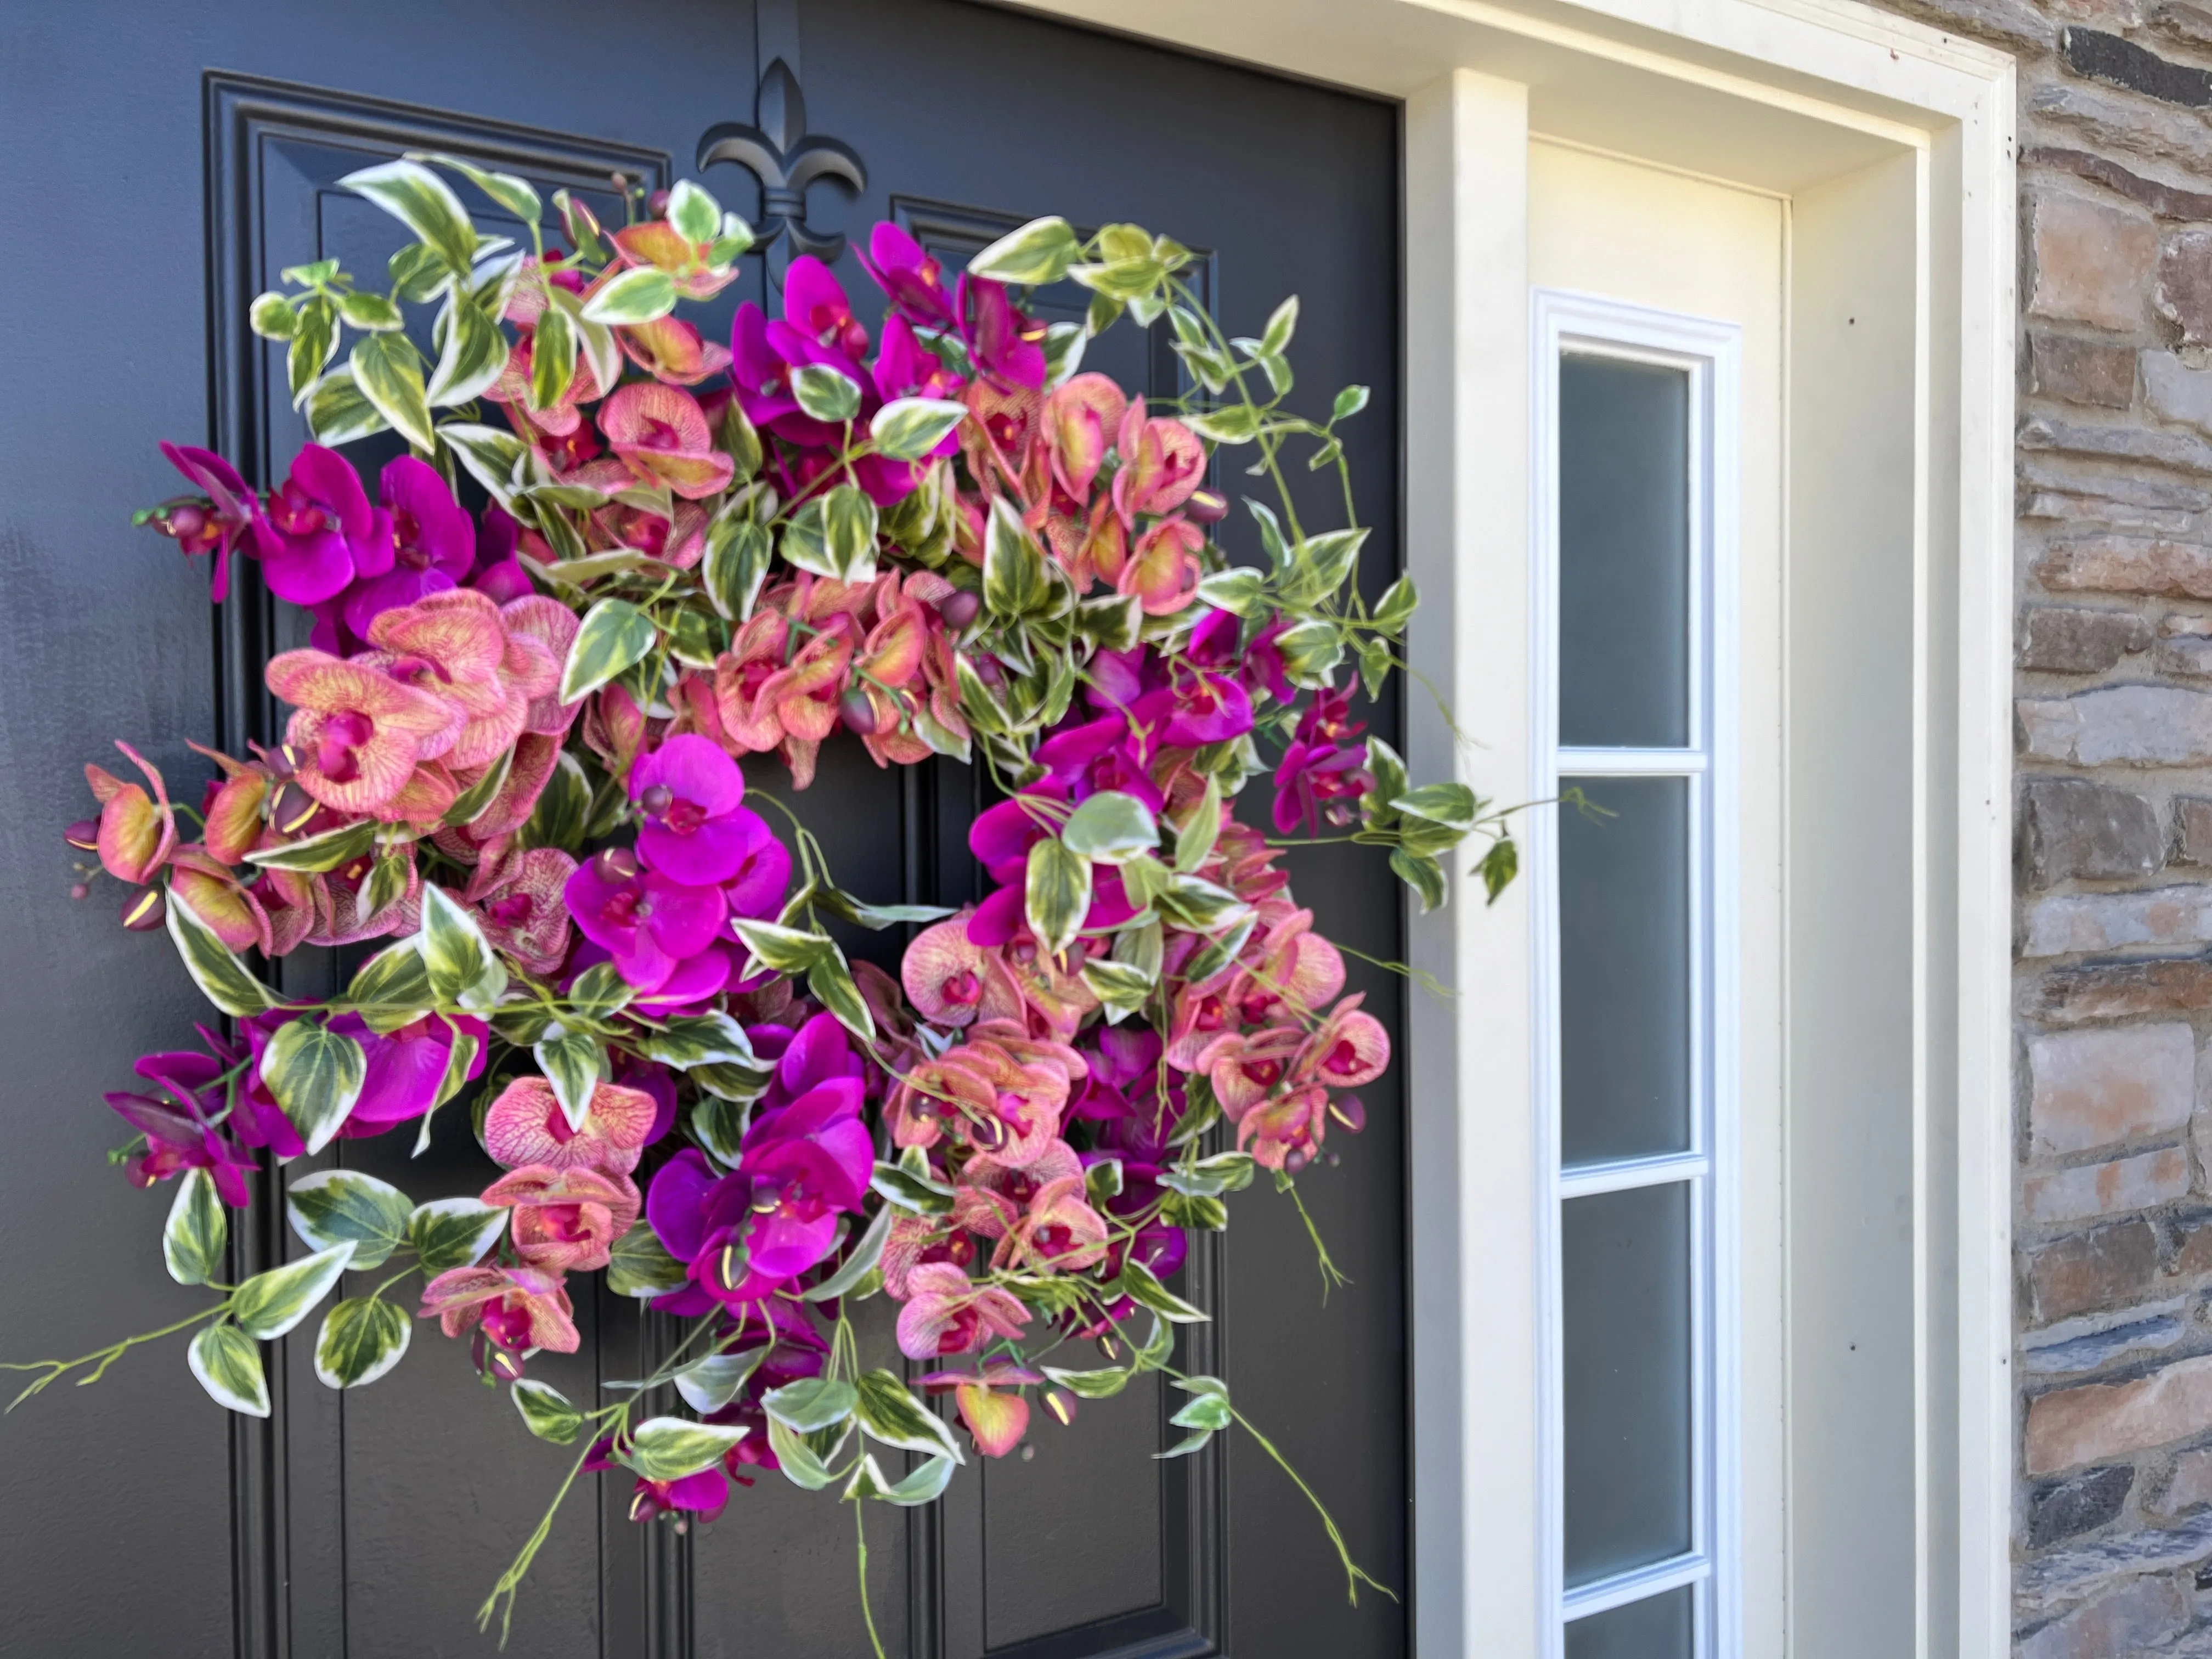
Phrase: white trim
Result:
[1777,95]
[1639,1586]
[1710,354]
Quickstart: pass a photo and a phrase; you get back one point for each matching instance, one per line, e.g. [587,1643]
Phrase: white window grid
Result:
[1709,353]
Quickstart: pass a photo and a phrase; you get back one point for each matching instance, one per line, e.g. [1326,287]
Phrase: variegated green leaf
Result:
[345,1207]
[463,967]
[889,1413]
[222,977]
[670,1447]
[316,1074]
[570,1061]
[640,294]
[269,1304]
[472,358]
[390,375]
[826,393]
[907,429]
[615,636]
[1041,252]
[454,1232]
[711,1383]
[545,1411]
[361,1338]
[319,853]
[228,1363]
[192,1241]
[1057,894]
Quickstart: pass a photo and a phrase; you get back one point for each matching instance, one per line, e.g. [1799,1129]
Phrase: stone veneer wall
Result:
[2112,1537]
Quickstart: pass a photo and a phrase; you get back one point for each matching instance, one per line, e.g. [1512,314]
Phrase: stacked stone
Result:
[2114,1540]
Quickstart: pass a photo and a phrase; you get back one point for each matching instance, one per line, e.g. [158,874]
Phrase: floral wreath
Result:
[515,751]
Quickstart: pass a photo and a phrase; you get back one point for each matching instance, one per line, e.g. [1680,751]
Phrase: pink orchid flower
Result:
[520,1309]
[526,1126]
[948,1313]
[358,736]
[565,1218]
[661,434]
[138,830]
[519,904]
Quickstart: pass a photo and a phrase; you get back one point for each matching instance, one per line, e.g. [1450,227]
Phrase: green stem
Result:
[1354,1574]
[100,1359]
[867,1612]
[510,1582]
[1331,1275]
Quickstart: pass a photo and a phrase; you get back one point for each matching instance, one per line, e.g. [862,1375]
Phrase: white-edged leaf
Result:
[826,393]
[738,553]
[711,1383]
[809,1404]
[1141,1287]
[1040,252]
[454,1232]
[925,1485]
[866,1251]
[361,1338]
[907,429]
[319,853]
[571,1064]
[472,358]
[228,1363]
[697,216]
[670,1447]
[269,1304]
[345,1207]
[390,375]
[489,454]
[640,294]
[641,1266]
[514,194]
[192,1241]
[337,412]
[888,1412]
[1056,894]
[316,1075]
[545,1411]
[222,977]
[614,635]
[463,967]
[422,201]
[1111,827]
[799,1462]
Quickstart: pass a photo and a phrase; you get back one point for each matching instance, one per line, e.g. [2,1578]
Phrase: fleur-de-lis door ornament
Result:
[787,159]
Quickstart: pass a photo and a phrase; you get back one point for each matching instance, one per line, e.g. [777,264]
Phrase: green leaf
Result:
[1349,402]
[640,294]
[343,1207]
[1111,827]
[1140,1286]
[711,1383]
[472,358]
[697,216]
[781,949]
[489,454]
[1110,621]
[1194,841]
[552,357]
[1498,866]
[829,982]
[600,991]
[420,199]
[392,989]
[911,1191]
[1056,894]
[738,553]
[571,1064]
[1275,338]
[1240,589]
[849,532]
[1122,985]
[222,977]
[827,394]
[371,313]
[670,1447]
[1091,1385]
[1218,954]
[229,1366]
[907,429]
[463,967]
[419,273]
[338,412]
[1422,874]
[269,1304]
[1041,252]
[390,375]
[1236,423]
[510,192]
[1202,905]
[805,539]
[1015,581]
[925,1485]
[1396,606]
[690,1039]
[270,316]
[192,1241]
[889,1415]
[1374,665]
[1311,651]
[459,1059]
[862,1258]
[1389,772]
[615,636]
[361,1338]
[810,1403]
[876,917]
[641,1266]
[1453,805]
[316,1074]
[1063,352]
[1225,1172]
[321,851]
[545,1411]
[476,800]
[798,1459]
[1196,1441]
[314,343]
[455,1232]
[1320,565]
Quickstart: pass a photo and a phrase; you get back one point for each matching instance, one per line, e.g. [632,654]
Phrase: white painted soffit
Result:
[1775,94]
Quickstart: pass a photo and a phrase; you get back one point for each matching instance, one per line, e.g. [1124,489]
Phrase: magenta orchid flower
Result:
[319,530]
[697,829]
[215,529]
[432,544]
[647,922]
[180,1135]
[405,1067]
[520,1309]
[906,272]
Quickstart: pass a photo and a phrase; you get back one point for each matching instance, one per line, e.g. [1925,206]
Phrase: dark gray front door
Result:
[164,164]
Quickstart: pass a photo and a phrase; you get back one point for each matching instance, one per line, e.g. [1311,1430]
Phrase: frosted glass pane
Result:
[1660,1628]
[1626,1285]
[1625,971]
[1623,554]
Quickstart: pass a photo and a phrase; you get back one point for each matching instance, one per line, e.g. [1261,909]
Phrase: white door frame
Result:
[1791,95]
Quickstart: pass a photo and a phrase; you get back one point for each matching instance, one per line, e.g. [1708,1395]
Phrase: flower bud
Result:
[1061,1404]
[618,864]
[959,607]
[1206,506]
[293,810]
[184,522]
[858,711]
[1351,1111]
[83,835]
[145,910]
[657,800]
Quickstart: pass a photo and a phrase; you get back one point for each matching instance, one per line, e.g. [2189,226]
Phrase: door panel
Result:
[375,1522]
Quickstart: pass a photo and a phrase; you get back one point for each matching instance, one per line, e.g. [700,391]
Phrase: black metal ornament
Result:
[787,159]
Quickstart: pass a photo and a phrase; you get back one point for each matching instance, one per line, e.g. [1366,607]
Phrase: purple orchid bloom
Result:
[1261,667]
[1095,755]
[1319,781]
[647,922]
[697,829]
[818,1052]
[905,271]
[905,368]
[498,574]
[425,544]
[761,377]
[194,528]
[1005,344]
[705,1492]
[179,1135]
[756,888]
[1201,708]
[319,525]
[1002,835]
[816,305]
[405,1067]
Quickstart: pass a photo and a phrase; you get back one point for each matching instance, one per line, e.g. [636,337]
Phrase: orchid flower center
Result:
[295,513]
[1262,1071]
[407,540]
[962,988]
[659,434]
[512,911]
[337,747]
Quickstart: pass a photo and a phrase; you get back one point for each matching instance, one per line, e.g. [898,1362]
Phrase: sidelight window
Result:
[1634,442]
